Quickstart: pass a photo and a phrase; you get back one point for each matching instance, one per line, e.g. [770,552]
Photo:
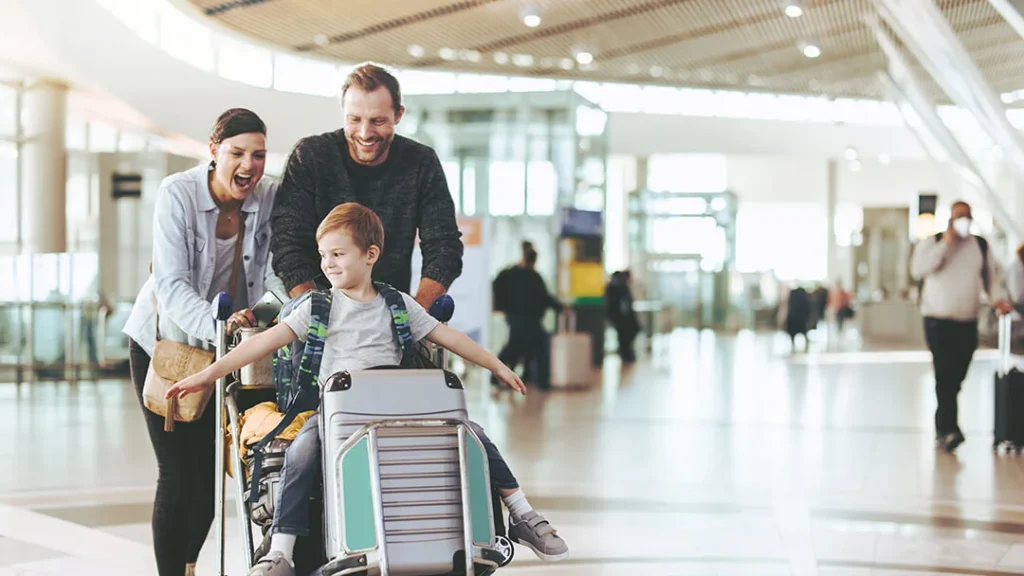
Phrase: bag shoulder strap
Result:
[983,246]
[399,321]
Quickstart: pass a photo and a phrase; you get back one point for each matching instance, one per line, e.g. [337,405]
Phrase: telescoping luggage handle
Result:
[1006,341]
[567,321]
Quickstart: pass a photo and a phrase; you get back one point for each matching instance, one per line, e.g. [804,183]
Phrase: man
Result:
[520,292]
[366,162]
[618,301]
[954,267]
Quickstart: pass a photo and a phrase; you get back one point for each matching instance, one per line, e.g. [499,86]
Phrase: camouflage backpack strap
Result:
[302,390]
[399,322]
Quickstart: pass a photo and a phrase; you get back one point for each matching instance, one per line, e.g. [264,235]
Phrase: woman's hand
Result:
[510,379]
[193,383]
[241,319]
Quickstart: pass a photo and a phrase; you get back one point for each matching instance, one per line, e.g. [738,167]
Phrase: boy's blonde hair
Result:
[356,220]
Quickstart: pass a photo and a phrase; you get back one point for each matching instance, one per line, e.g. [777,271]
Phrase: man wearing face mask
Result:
[954,267]
[366,162]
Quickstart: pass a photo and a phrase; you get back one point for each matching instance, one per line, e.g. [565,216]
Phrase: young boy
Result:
[359,336]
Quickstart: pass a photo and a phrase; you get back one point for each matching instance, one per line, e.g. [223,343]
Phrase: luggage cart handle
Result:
[569,325]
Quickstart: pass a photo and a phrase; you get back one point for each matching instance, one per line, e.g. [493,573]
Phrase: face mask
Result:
[962,226]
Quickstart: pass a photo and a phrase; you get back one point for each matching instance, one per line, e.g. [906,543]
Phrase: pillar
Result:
[43,167]
[832,271]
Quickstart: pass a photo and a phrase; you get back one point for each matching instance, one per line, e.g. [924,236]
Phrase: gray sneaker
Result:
[537,534]
[273,564]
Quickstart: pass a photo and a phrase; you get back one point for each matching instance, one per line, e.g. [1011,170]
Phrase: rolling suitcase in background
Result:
[1009,404]
[571,363]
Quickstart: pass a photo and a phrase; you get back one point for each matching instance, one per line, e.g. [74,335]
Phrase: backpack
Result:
[985,280]
[296,368]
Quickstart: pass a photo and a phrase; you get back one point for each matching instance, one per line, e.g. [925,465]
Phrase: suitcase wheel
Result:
[504,546]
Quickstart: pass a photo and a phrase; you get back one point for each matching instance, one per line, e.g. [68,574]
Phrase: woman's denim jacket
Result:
[184,240]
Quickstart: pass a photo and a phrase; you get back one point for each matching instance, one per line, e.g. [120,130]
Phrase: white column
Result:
[831,194]
[43,167]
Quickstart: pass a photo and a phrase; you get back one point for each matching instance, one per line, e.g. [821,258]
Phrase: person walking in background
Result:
[520,293]
[954,267]
[618,299]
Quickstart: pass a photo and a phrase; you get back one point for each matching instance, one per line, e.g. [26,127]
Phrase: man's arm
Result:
[929,256]
[440,239]
[294,221]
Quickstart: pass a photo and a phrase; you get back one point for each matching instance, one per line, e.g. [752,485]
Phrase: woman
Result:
[196,225]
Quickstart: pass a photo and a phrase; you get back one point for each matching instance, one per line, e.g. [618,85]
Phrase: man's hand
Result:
[1004,307]
[428,291]
[301,289]
[241,319]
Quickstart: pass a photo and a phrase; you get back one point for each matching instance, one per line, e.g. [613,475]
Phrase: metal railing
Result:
[60,341]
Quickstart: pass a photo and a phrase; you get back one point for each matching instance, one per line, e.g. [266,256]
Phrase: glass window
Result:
[102,137]
[8,114]
[451,174]
[9,193]
[788,238]
[480,83]
[469,188]
[416,82]
[186,39]
[541,188]
[687,173]
[76,133]
[506,194]
[534,85]
[306,76]
[244,62]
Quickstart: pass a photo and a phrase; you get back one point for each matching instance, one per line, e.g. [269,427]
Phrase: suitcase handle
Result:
[1006,341]
[569,315]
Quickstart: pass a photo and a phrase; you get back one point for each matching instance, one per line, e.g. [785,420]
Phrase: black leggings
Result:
[183,510]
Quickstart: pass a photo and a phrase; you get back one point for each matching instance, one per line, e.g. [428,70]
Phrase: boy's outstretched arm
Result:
[249,351]
[463,345]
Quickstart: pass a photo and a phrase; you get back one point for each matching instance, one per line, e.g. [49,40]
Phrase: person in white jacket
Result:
[954,267]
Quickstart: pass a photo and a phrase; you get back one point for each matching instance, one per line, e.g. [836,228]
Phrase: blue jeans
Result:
[301,470]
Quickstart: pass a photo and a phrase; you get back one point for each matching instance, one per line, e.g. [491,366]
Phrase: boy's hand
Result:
[193,383]
[510,378]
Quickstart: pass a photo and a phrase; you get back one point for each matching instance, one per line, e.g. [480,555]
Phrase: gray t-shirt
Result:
[359,334]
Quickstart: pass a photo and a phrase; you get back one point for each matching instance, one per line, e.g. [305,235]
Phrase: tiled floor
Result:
[719,455]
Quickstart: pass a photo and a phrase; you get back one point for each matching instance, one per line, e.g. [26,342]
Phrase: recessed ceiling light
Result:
[656,71]
[794,11]
[469,55]
[531,20]
[523,60]
[320,40]
[851,153]
[566,64]
[500,58]
[883,158]
[447,54]
[632,69]
[584,57]
[416,51]
[811,51]
[855,165]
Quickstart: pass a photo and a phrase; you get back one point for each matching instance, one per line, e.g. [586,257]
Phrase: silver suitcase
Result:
[399,481]
[571,356]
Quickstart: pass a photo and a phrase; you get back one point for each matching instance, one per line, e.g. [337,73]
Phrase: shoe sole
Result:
[541,555]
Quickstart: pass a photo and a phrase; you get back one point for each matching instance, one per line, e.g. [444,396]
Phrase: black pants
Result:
[527,341]
[183,510]
[952,344]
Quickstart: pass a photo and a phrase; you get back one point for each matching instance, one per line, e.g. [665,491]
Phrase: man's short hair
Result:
[356,220]
[369,77]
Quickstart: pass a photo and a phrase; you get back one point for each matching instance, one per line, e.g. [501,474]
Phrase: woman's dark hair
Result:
[234,122]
